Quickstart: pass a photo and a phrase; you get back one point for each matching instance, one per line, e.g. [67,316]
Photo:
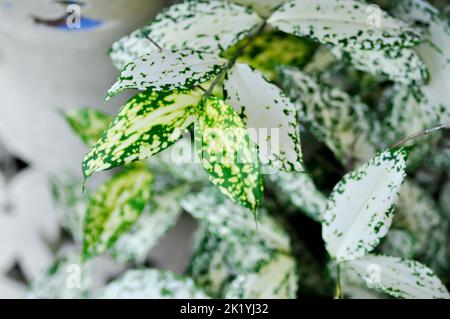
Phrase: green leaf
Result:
[231,221]
[269,114]
[399,278]
[60,280]
[208,26]
[149,123]
[299,190]
[345,124]
[156,219]
[89,124]
[344,23]
[361,206]
[114,208]
[167,70]
[151,284]
[228,155]
[276,280]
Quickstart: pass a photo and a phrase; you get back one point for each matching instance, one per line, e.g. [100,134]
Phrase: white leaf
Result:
[299,190]
[344,123]
[262,7]
[232,221]
[151,284]
[345,23]
[158,217]
[276,280]
[361,207]
[269,115]
[209,26]
[167,70]
[399,278]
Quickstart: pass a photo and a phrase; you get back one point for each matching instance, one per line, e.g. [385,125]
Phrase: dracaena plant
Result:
[356,100]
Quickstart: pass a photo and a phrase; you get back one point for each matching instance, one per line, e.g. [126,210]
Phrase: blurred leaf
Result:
[114,208]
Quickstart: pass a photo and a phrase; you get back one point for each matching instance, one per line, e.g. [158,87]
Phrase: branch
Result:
[420,134]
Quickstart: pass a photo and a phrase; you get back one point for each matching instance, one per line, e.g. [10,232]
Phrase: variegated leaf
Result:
[401,65]
[146,125]
[228,155]
[276,280]
[60,281]
[151,284]
[157,218]
[344,123]
[299,190]
[168,70]
[345,23]
[114,208]
[262,7]
[399,243]
[209,26]
[232,222]
[270,116]
[435,52]
[399,278]
[361,207]
[272,48]
[89,124]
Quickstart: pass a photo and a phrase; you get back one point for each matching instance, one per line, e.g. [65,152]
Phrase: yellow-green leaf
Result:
[149,123]
[114,208]
[227,153]
[89,124]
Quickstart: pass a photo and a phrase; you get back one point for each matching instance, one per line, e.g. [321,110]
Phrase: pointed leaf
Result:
[88,124]
[361,207]
[344,123]
[114,208]
[209,26]
[399,278]
[228,155]
[345,23]
[149,123]
[157,218]
[151,284]
[167,70]
[269,114]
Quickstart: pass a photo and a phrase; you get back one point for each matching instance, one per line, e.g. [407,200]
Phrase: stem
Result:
[154,43]
[339,294]
[420,134]
[233,60]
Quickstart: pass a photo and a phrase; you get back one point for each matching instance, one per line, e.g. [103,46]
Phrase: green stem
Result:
[420,134]
[339,293]
[232,60]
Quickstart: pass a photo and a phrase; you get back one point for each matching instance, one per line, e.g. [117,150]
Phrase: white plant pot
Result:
[44,69]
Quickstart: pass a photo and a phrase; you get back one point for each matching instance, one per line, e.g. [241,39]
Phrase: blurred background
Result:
[45,68]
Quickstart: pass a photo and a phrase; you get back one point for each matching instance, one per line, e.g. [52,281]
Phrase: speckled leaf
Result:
[209,26]
[231,221]
[167,70]
[270,116]
[299,190]
[151,284]
[114,208]
[361,207]
[89,124]
[156,219]
[146,125]
[345,23]
[276,280]
[228,155]
[399,243]
[399,278]
[344,123]
[262,7]
[60,280]
[401,65]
